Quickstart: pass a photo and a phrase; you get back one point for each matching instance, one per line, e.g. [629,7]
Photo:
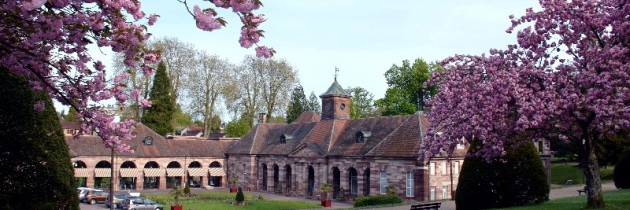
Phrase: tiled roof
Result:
[93,146]
[335,90]
[70,125]
[307,117]
[396,136]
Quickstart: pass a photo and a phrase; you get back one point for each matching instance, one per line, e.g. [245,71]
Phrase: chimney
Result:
[262,118]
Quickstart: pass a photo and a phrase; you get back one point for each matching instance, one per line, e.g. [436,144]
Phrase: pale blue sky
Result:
[361,37]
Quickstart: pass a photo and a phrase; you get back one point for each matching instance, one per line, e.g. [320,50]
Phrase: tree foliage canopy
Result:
[567,77]
[361,103]
[407,89]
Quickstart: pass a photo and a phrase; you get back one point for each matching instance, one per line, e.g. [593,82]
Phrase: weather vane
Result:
[336,72]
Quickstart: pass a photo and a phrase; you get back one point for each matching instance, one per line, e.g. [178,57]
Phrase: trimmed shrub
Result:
[187,190]
[373,200]
[239,196]
[36,168]
[621,174]
[517,179]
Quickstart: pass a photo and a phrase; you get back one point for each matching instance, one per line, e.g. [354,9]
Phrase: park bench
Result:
[426,206]
[583,190]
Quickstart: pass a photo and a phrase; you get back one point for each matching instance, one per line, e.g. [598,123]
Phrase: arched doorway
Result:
[152,175]
[276,178]
[195,174]
[128,174]
[174,174]
[336,182]
[353,181]
[366,181]
[80,173]
[264,175]
[311,180]
[216,173]
[287,169]
[102,174]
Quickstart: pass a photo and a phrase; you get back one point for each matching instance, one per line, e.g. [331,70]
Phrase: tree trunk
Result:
[590,168]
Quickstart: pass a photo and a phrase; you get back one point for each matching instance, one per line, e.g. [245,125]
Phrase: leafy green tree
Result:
[182,118]
[158,117]
[72,115]
[517,179]
[407,91]
[297,104]
[313,104]
[621,174]
[237,128]
[36,171]
[361,103]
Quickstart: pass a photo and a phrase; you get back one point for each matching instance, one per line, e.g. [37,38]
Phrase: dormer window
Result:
[360,136]
[284,138]
[148,140]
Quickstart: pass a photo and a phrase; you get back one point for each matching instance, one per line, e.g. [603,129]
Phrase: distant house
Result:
[192,130]
[360,156]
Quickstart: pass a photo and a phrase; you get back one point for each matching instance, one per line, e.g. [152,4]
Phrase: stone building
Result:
[157,163]
[357,156]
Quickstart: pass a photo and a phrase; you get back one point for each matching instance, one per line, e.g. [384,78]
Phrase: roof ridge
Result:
[251,149]
[332,134]
[388,135]
[306,136]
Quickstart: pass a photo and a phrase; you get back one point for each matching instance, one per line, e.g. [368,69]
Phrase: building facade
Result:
[357,156]
[157,163]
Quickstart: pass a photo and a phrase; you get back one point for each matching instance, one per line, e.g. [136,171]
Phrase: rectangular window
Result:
[383,182]
[540,146]
[460,146]
[432,193]
[409,184]
[432,168]
[444,167]
[456,167]
[444,192]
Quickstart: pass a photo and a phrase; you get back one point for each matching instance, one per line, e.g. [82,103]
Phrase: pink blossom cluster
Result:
[568,77]
[47,42]
[205,20]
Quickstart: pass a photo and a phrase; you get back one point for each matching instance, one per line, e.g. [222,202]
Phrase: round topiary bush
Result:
[621,175]
[516,179]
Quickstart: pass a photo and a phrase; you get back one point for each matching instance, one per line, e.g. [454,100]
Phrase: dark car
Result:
[95,196]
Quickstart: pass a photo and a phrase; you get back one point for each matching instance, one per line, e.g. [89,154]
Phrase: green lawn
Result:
[223,200]
[561,172]
[615,200]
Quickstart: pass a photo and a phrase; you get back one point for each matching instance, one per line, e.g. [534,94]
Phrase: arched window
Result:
[151,164]
[128,164]
[194,164]
[103,164]
[173,164]
[353,180]
[79,164]
[215,164]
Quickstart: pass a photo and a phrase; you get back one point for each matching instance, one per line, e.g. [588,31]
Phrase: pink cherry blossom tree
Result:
[47,42]
[567,79]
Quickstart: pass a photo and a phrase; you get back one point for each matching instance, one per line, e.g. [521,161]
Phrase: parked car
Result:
[95,196]
[140,204]
[120,196]
[82,191]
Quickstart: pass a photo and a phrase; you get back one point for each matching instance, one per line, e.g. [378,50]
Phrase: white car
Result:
[82,191]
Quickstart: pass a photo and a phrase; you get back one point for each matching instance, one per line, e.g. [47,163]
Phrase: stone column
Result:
[140,180]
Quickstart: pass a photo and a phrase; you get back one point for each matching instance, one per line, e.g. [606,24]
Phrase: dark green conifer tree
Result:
[158,117]
[34,159]
[297,104]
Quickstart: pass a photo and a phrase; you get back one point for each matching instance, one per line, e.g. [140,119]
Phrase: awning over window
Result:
[128,172]
[175,172]
[81,172]
[153,172]
[197,171]
[103,172]
[217,172]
